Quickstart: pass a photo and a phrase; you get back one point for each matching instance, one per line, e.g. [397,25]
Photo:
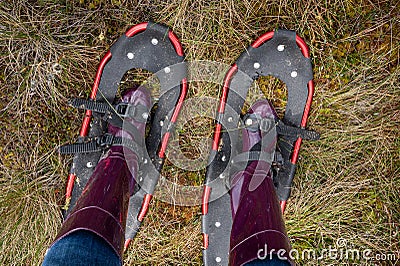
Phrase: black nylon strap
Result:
[241,160]
[102,143]
[86,147]
[115,114]
[296,132]
[292,132]
[252,156]
[90,105]
[119,122]
[137,112]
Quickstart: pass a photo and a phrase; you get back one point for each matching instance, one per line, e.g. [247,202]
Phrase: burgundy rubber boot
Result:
[258,231]
[102,206]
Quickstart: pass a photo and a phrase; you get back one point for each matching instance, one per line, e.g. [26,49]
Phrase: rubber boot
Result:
[258,231]
[102,206]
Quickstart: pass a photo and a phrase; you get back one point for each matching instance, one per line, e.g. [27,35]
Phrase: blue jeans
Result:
[81,248]
[86,248]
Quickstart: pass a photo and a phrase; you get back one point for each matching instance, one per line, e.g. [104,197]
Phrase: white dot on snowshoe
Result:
[154,41]
[130,55]
[281,47]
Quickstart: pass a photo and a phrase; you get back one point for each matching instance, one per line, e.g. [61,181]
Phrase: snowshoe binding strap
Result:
[242,160]
[100,144]
[122,110]
[148,46]
[114,115]
[281,54]
[289,132]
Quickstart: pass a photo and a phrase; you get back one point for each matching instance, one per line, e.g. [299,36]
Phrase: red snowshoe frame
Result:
[281,54]
[154,48]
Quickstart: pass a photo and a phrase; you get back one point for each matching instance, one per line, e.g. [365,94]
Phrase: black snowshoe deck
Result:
[147,46]
[281,54]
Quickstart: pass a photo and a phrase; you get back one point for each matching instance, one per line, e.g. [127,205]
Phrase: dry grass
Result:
[347,184]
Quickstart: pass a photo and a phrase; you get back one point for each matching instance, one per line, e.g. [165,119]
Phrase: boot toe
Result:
[264,109]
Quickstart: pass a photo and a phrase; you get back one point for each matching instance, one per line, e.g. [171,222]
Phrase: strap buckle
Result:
[266,124]
[105,141]
[138,112]
[253,122]
[125,110]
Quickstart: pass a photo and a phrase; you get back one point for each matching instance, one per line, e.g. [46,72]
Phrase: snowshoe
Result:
[148,46]
[226,229]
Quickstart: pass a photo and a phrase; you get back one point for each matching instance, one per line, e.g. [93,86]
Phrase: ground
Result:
[346,190]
